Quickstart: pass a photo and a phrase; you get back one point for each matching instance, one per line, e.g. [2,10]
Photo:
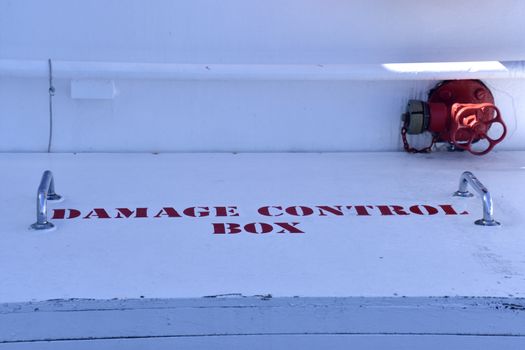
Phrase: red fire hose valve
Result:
[459,112]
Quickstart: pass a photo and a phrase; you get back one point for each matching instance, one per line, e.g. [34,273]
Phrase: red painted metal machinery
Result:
[459,112]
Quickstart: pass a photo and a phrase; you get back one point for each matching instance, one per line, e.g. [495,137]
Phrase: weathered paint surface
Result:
[236,319]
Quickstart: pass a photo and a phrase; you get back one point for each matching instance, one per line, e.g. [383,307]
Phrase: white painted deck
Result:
[389,281]
[336,256]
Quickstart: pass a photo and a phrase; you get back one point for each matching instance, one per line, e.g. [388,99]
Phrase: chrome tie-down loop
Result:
[46,191]
[488,207]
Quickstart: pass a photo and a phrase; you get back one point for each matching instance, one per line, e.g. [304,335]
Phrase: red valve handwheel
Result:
[471,122]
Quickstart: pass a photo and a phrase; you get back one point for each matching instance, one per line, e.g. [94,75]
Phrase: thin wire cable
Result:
[51,94]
